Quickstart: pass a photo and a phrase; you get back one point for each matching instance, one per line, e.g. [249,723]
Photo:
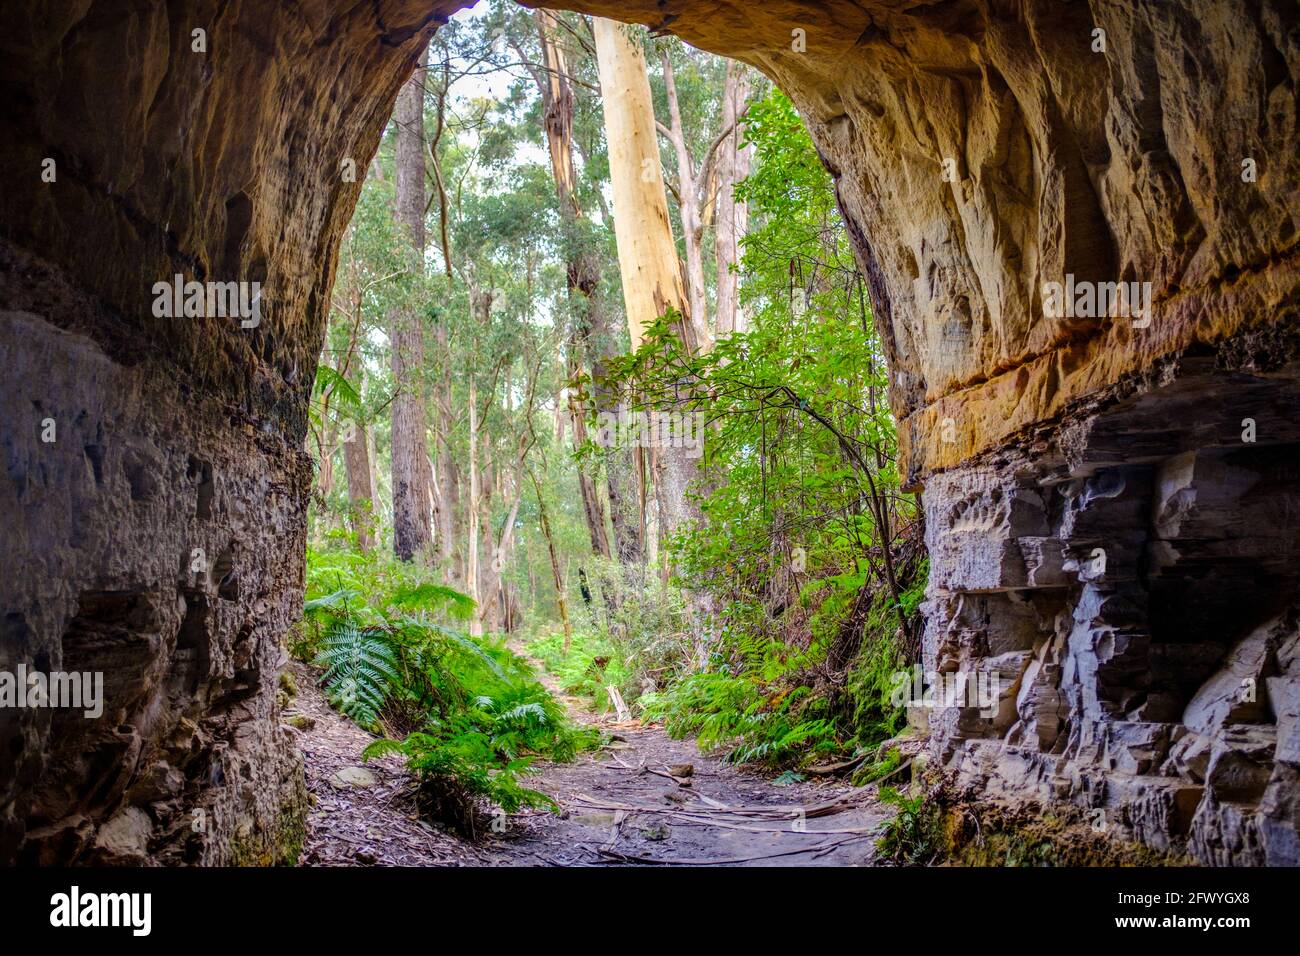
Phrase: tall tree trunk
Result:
[732,217]
[688,207]
[447,479]
[647,255]
[325,446]
[487,487]
[593,508]
[556,571]
[356,461]
[495,610]
[448,485]
[412,529]
[626,512]
[583,275]
[471,510]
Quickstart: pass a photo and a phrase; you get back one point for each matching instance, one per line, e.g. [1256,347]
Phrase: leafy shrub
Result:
[469,713]
[360,669]
[912,835]
[725,711]
[458,773]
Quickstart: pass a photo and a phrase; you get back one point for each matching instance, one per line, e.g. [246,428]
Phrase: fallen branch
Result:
[687,815]
[658,861]
[893,773]
[826,769]
[620,707]
[680,781]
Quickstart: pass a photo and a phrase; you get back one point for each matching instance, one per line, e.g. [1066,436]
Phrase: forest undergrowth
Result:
[750,578]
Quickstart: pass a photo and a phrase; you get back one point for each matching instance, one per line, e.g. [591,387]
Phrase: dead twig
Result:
[723,861]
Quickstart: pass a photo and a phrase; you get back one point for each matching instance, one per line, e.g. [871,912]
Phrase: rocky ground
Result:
[643,799]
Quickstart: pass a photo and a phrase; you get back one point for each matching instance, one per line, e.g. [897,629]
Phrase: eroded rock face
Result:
[149,541]
[981,152]
[178,442]
[1149,615]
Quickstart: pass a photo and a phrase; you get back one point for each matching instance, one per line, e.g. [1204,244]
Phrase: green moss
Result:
[292,833]
[279,844]
[948,827]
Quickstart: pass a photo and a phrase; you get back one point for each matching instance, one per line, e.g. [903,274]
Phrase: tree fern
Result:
[430,635]
[360,668]
[427,594]
[334,601]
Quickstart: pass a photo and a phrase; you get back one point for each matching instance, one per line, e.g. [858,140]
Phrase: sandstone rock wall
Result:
[152,540]
[172,434]
[981,150]
[1142,622]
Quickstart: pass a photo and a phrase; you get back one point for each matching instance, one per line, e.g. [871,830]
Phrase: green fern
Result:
[914,834]
[343,393]
[470,710]
[420,634]
[334,601]
[360,668]
[458,772]
[426,595]
[526,714]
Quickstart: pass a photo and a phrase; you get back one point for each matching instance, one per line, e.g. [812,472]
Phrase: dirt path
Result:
[363,819]
[643,800]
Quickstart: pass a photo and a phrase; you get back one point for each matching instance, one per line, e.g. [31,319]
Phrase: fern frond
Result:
[340,389]
[524,713]
[421,596]
[420,629]
[360,668]
[382,747]
[333,601]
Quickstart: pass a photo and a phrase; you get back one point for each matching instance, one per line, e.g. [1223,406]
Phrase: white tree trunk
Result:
[732,217]
[647,255]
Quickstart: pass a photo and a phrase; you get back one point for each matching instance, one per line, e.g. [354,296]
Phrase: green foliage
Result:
[878,769]
[721,710]
[426,594]
[592,664]
[458,771]
[734,712]
[470,713]
[331,382]
[636,635]
[360,669]
[912,835]
[808,546]
[869,686]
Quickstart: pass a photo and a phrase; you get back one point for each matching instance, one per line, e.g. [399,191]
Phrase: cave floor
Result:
[621,805]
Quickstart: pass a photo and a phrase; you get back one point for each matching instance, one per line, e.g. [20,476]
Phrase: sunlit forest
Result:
[601,391]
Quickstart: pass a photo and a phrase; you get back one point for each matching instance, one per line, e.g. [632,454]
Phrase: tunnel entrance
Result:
[1057,141]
